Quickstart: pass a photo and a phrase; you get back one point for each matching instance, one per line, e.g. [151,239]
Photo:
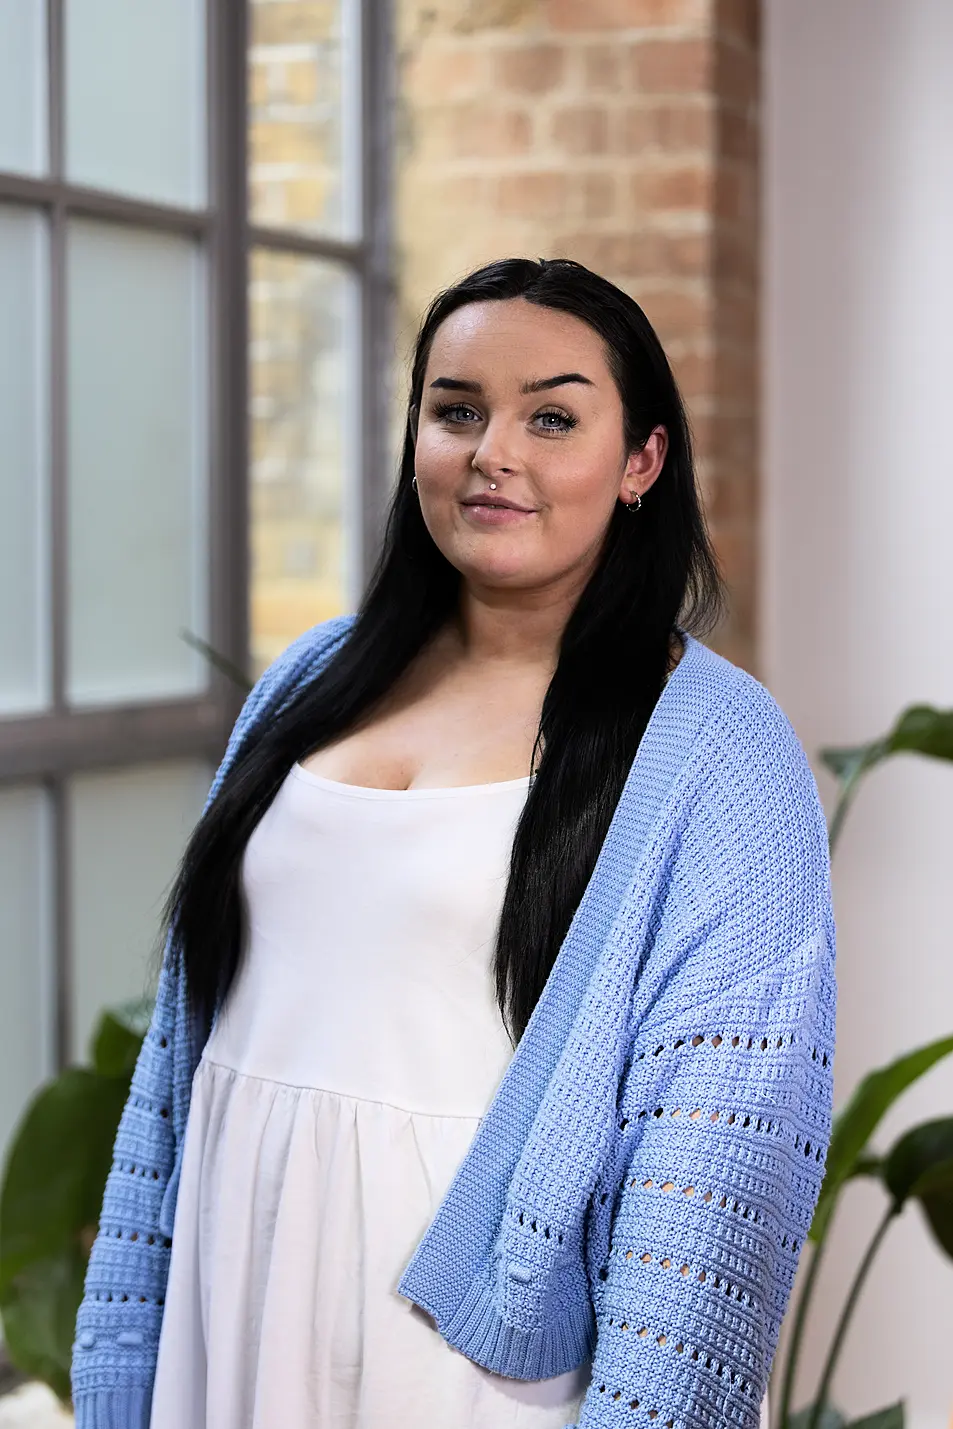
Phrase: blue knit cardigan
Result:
[641,1185]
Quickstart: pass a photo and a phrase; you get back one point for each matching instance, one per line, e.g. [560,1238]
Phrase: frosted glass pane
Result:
[304,325]
[24,644]
[23,127]
[128,828]
[304,142]
[135,97]
[27,994]
[137,466]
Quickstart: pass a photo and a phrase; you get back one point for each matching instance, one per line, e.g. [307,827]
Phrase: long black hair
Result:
[656,569]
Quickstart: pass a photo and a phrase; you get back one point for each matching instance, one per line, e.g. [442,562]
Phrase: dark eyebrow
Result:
[543,384]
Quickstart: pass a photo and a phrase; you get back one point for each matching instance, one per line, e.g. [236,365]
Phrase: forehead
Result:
[516,338]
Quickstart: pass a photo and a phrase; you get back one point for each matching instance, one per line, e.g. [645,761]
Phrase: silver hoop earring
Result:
[634,505]
[414,483]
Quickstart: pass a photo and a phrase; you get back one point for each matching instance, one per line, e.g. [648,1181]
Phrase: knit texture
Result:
[642,1183]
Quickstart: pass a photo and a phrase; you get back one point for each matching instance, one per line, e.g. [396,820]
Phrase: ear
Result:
[644,465]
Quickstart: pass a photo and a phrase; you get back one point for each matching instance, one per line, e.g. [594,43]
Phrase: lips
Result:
[490,500]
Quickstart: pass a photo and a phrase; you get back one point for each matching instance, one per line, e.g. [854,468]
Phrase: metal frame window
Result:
[64,740]
[325,256]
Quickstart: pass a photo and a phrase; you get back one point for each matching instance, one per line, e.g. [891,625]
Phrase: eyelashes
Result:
[444,409]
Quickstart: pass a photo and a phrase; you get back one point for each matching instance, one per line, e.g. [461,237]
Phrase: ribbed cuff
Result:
[114,1409]
[479,1331]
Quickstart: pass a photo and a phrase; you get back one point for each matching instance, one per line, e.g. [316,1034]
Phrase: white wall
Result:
[857,610]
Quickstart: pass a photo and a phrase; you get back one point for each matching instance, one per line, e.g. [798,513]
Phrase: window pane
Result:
[23,128]
[304,325]
[135,97]
[304,115]
[127,830]
[24,646]
[137,466]
[27,993]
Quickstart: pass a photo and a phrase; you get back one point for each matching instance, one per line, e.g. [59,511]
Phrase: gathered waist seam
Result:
[332,1091]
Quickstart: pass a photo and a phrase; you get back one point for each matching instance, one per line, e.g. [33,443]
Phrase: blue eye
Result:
[570,422]
[443,409]
[447,409]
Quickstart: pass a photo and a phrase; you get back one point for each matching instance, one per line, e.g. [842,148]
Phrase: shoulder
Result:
[752,791]
[749,857]
[745,730]
[301,657]
[283,676]
[299,660]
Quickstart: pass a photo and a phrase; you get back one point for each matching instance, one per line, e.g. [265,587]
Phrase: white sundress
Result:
[339,1091]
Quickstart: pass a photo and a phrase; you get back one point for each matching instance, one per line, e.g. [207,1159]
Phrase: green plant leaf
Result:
[919,729]
[919,1151]
[934,1191]
[923,729]
[829,1418]
[857,1121]
[848,764]
[39,1311]
[868,1166]
[117,1040]
[890,1418]
[50,1199]
[920,1167]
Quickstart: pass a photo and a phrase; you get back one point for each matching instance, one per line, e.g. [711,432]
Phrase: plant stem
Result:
[797,1334]
[846,1315]
[840,812]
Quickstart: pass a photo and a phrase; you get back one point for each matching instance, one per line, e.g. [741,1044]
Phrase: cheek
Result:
[579,491]
[437,456]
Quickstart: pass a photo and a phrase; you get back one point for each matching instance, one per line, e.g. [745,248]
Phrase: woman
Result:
[511,803]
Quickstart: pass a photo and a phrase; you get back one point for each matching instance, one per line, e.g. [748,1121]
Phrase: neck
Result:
[517,627]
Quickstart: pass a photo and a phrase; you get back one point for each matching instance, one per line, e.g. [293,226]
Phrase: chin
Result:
[513,573]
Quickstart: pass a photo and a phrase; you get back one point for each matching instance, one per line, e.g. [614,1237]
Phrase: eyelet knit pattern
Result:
[643,1181]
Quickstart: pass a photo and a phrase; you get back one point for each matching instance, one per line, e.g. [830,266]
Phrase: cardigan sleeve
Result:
[120,1317]
[724,1111]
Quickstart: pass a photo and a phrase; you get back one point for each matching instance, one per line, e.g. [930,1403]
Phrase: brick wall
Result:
[298,325]
[622,133]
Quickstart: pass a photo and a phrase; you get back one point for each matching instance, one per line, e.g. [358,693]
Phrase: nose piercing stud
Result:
[492,485]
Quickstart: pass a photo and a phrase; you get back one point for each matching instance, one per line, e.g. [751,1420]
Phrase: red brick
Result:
[605,68]
[735,256]
[677,314]
[686,188]
[736,73]
[671,126]
[582,129]
[644,254]
[435,74]
[530,69]
[741,19]
[735,197]
[737,135]
[627,255]
[735,375]
[736,319]
[671,66]
[728,443]
[577,15]
[538,195]
[481,130]
[694,372]
[598,195]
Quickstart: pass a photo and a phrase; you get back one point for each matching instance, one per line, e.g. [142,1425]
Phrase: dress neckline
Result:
[366,791]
